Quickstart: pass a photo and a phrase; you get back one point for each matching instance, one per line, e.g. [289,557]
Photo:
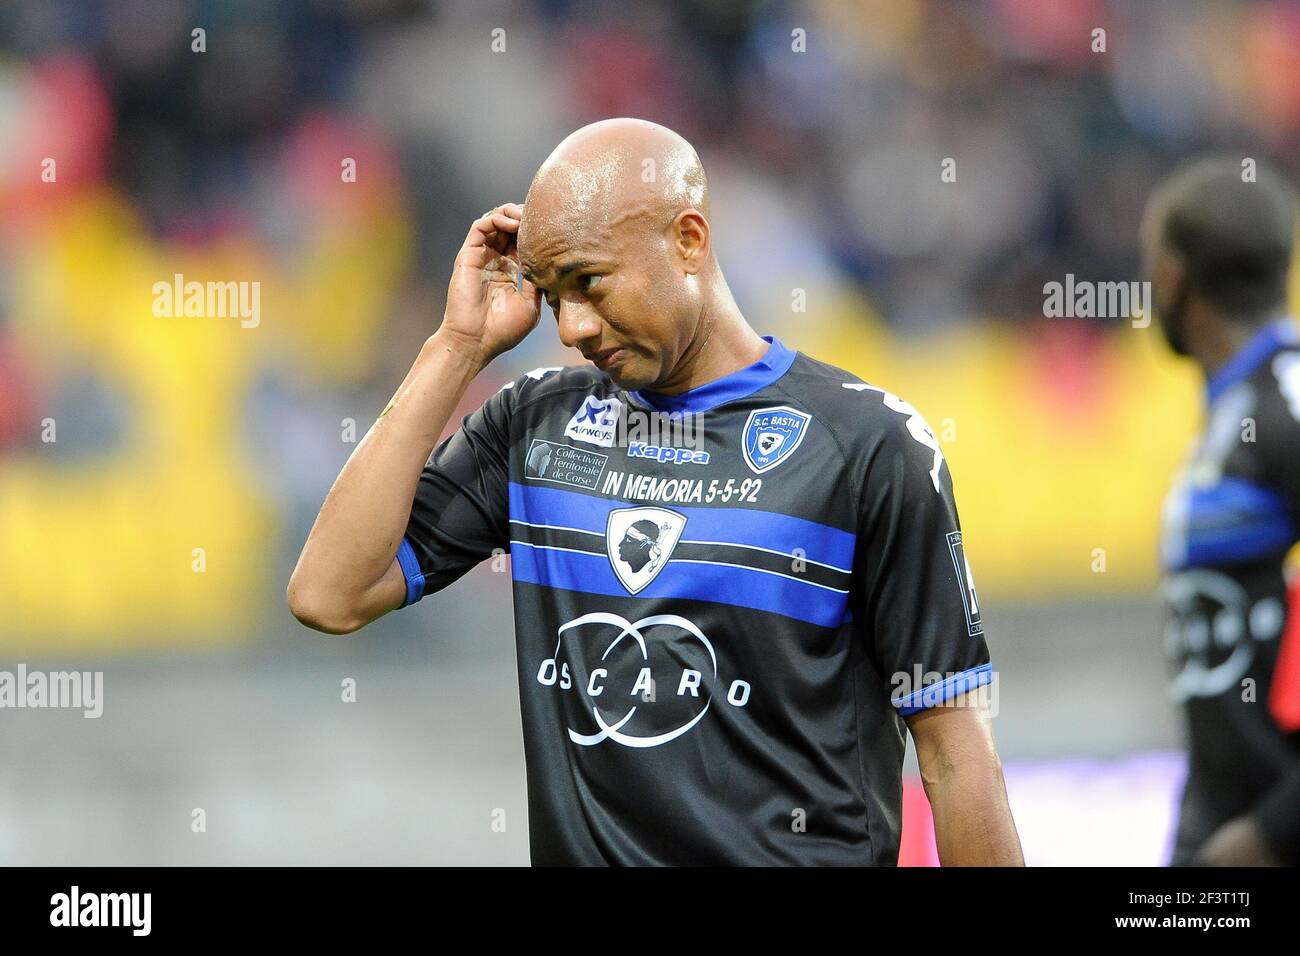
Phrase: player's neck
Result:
[724,343]
[1217,338]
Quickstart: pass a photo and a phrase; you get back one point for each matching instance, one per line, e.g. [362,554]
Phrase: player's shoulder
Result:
[554,383]
[882,434]
[830,386]
[1277,387]
[863,416]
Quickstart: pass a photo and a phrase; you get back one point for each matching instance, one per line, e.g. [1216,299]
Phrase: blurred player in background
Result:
[707,636]
[1218,248]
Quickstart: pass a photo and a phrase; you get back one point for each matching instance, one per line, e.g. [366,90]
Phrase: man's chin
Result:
[628,377]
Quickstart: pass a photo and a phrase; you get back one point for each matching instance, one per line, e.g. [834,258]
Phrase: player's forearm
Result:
[356,535]
[972,819]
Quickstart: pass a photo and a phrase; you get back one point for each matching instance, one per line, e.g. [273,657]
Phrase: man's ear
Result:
[690,232]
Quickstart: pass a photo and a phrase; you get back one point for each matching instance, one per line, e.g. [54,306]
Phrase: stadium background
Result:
[176,434]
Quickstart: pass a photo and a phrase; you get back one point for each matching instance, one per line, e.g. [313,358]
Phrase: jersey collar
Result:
[1257,350]
[774,363]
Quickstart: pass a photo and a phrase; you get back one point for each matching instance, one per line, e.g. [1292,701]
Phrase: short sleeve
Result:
[915,585]
[460,513]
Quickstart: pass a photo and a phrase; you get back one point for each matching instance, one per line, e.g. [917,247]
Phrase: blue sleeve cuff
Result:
[411,571]
[945,690]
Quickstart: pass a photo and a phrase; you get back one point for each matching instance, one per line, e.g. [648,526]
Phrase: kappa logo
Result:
[639,542]
[662,453]
[596,421]
[771,435]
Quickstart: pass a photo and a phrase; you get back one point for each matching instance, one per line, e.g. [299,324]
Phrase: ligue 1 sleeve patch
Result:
[966,579]
[771,435]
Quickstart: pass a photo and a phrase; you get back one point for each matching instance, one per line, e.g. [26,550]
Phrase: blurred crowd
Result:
[211,137]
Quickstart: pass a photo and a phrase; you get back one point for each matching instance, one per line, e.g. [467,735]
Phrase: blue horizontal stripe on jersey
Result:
[763,529]
[1235,521]
[943,691]
[722,584]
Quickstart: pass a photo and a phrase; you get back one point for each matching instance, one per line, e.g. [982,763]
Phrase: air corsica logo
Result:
[638,683]
[596,421]
[771,436]
[639,542]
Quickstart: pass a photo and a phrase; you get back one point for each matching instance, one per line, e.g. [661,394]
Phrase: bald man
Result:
[738,572]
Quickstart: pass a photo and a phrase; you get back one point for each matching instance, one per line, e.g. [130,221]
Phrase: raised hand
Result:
[490,307]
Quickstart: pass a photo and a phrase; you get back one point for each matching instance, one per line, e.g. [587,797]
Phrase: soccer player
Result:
[1218,250]
[723,625]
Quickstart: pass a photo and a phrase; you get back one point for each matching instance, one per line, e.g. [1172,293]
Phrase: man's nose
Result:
[578,323]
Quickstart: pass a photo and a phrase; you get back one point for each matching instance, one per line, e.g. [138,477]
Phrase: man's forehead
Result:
[554,242]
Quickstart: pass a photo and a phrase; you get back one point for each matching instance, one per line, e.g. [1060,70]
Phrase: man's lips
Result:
[606,358]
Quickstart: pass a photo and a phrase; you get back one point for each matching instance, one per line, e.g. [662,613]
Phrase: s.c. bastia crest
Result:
[639,542]
[771,435]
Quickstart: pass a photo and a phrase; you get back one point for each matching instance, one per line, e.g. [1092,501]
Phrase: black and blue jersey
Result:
[725,602]
[1232,517]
